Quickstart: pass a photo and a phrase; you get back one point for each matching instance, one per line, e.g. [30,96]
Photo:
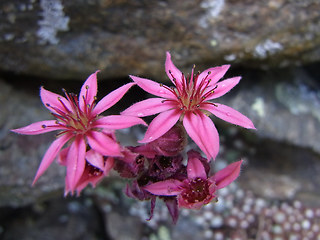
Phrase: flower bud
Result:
[171,143]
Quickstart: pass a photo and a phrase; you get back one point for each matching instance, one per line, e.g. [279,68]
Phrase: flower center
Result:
[76,119]
[189,91]
[197,190]
[93,171]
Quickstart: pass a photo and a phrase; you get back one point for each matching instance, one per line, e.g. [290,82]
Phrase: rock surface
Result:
[71,39]
[284,105]
[20,155]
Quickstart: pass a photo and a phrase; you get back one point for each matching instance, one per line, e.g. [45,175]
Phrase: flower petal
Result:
[214,74]
[76,162]
[88,91]
[160,125]
[118,122]
[153,87]
[203,132]
[108,165]
[165,188]
[228,114]
[38,128]
[95,159]
[54,102]
[173,72]
[103,144]
[51,154]
[195,168]
[172,205]
[227,175]
[148,107]
[111,99]
[223,87]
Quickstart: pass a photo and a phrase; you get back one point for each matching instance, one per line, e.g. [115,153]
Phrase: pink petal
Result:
[167,188]
[95,159]
[76,162]
[118,122]
[153,87]
[160,125]
[228,114]
[54,101]
[38,128]
[216,73]
[195,168]
[203,132]
[108,165]
[224,87]
[51,154]
[88,91]
[173,72]
[148,107]
[111,99]
[62,156]
[227,175]
[103,144]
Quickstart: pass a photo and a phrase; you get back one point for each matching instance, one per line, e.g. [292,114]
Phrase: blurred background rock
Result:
[274,45]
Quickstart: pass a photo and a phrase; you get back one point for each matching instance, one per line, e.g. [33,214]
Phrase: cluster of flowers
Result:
[87,146]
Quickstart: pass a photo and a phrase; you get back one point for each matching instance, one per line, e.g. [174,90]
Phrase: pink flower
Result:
[96,167]
[81,128]
[188,102]
[198,189]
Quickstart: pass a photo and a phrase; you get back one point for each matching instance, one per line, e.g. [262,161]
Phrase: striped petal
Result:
[148,107]
[54,102]
[95,159]
[228,114]
[214,74]
[160,125]
[38,128]
[173,72]
[103,144]
[118,122]
[75,162]
[223,87]
[227,175]
[203,132]
[51,154]
[88,91]
[164,188]
[153,87]
[195,169]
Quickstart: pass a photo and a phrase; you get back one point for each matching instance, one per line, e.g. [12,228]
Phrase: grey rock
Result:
[51,220]
[71,39]
[283,105]
[20,155]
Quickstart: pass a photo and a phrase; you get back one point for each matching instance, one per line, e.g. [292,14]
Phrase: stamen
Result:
[43,126]
[210,92]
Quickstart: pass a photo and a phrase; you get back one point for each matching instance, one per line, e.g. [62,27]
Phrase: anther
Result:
[87,87]
[43,126]
[161,85]
[47,104]
[209,73]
